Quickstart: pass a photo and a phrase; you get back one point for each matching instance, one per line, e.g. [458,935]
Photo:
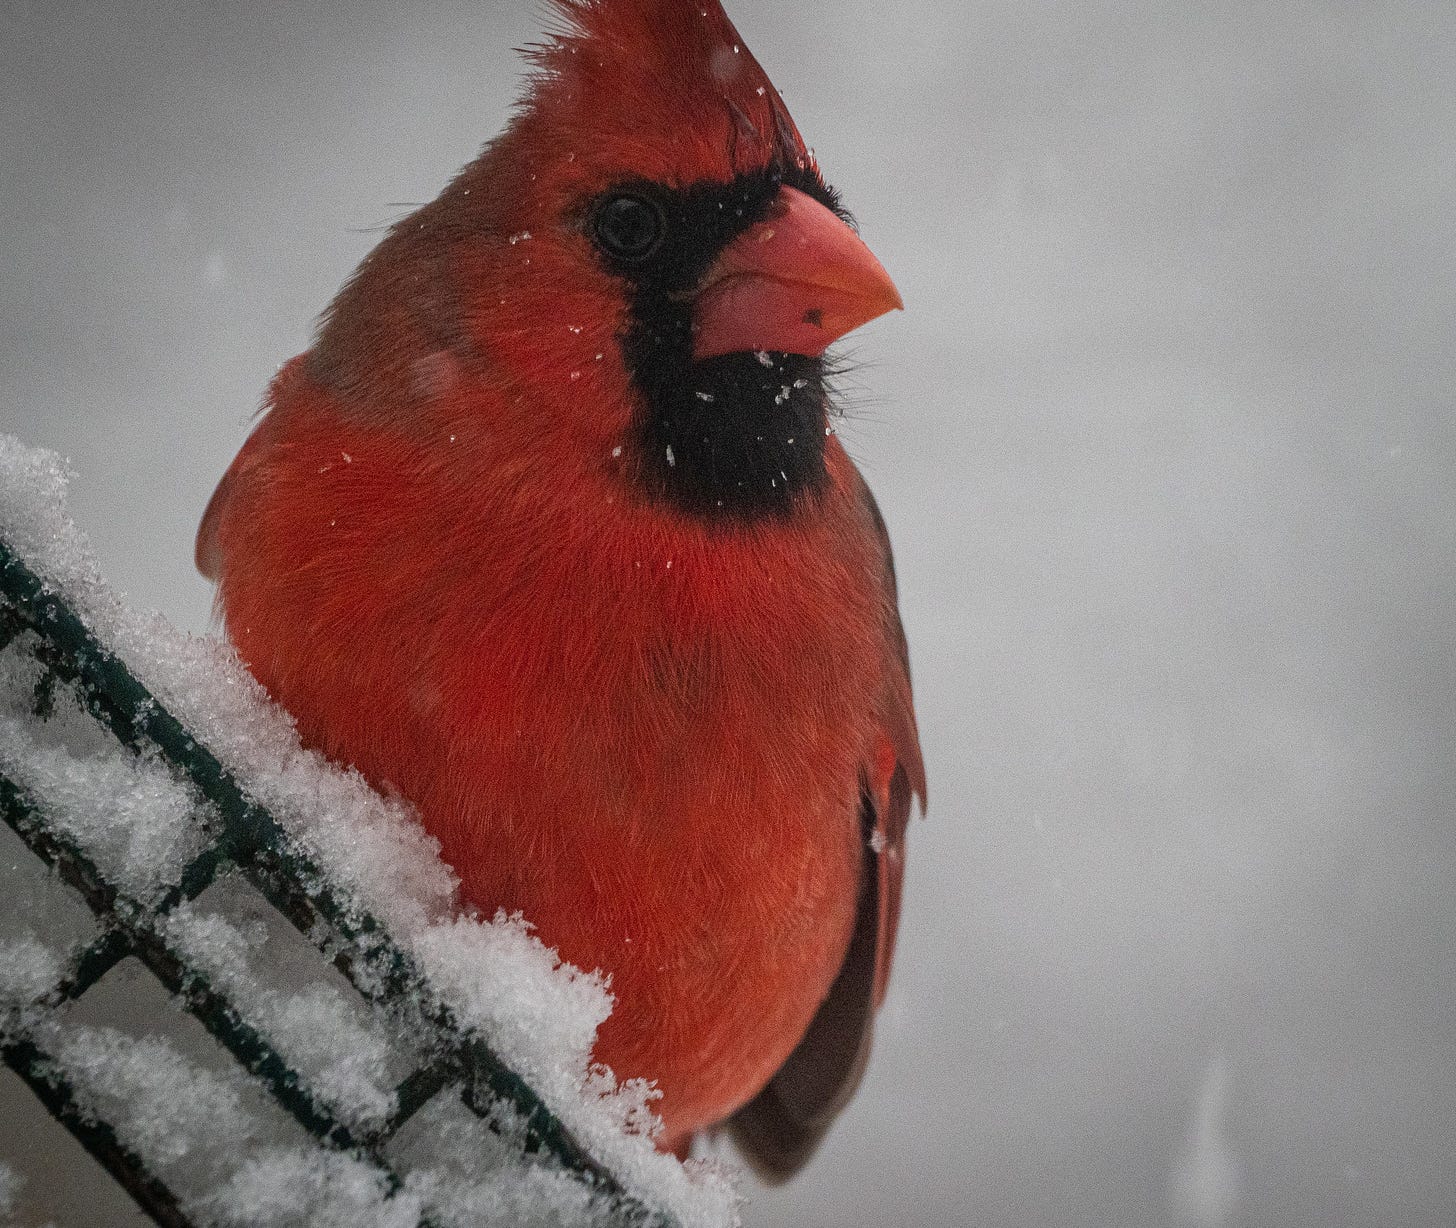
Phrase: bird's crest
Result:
[639,69]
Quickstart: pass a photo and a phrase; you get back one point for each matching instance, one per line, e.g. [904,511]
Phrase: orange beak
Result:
[795,282]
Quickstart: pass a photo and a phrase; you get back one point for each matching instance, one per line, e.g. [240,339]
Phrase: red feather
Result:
[656,734]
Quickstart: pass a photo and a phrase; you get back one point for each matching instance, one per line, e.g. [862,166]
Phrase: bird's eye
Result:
[628,226]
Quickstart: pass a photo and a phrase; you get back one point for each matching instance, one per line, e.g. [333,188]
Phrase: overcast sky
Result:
[1165,441]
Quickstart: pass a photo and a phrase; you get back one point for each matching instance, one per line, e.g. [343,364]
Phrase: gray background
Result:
[1165,443]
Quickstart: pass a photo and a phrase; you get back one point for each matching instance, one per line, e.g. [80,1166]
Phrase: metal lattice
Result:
[250,842]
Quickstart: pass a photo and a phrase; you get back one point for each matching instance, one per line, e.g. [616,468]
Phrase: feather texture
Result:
[680,742]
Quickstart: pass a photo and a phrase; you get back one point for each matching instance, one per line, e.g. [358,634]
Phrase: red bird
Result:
[549,533]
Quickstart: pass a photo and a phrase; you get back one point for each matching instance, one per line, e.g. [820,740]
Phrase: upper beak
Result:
[795,282]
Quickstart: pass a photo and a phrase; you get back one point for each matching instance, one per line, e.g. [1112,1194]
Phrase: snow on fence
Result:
[428,1068]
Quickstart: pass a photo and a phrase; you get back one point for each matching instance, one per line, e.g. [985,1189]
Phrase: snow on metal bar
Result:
[128,1169]
[158,925]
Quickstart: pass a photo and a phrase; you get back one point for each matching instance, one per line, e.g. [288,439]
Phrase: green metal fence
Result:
[251,842]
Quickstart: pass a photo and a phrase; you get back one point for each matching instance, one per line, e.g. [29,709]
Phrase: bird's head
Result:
[648,255]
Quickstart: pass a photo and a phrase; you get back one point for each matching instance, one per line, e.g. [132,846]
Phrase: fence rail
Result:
[251,842]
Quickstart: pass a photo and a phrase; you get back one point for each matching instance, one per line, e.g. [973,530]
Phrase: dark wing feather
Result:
[779,1129]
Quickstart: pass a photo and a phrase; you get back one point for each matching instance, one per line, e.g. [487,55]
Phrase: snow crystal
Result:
[194,1127]
[215,270]
[10,1183]
[538,1013]
[534,1197]
[139,825]
[28,968]
[293,1188]
[1206,1179]
[162,1105]
[345,1062]
[541,1016]
[468,1171]
[500,980]
[315,1027]
[34,896]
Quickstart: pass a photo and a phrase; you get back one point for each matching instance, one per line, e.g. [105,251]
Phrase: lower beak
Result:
[796,282]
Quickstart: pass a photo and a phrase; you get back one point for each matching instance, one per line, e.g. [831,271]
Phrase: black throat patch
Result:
[738,436]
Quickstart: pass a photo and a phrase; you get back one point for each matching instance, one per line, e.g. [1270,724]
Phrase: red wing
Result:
[207,554]
[779,1128]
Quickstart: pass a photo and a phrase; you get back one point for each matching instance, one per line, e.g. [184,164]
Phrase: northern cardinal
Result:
[549,533]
